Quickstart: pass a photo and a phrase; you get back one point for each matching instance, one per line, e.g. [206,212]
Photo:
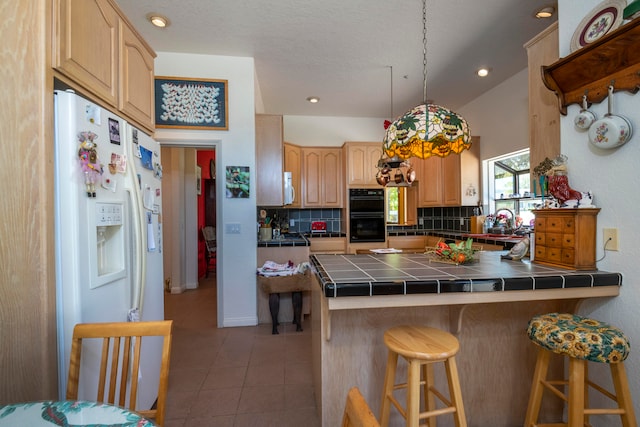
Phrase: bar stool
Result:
[582,340]
[421,347]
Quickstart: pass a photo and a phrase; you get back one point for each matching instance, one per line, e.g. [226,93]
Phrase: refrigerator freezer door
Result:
[92,248]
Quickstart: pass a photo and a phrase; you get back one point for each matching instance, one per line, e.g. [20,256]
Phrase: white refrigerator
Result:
[108,233]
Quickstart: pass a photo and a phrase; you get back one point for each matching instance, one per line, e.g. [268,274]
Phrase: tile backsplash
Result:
[299,220]
[455,218]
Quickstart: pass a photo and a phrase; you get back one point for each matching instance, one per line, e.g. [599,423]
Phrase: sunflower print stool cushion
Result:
[579,337]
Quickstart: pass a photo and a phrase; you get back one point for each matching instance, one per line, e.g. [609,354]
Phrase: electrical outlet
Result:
[610,233]
[461,221]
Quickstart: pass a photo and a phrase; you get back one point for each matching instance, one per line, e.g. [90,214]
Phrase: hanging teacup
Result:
[585,118]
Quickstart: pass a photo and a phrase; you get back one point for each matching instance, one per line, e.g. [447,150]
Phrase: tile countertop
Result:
[295,239]
[350,281]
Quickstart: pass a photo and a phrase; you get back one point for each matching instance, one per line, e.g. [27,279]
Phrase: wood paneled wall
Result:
[28,355]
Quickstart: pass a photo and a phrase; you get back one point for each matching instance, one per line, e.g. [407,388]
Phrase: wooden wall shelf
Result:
[612,60]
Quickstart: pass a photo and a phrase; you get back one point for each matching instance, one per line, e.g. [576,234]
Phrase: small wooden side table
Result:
[275,285]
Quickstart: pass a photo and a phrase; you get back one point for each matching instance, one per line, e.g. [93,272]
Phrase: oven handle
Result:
[373,215]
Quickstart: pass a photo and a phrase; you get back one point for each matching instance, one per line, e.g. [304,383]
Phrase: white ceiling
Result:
[342,50]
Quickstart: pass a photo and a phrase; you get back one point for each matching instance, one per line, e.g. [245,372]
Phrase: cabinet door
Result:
[429,181]
[362,160]
[86,45]
[332,178]
[451,192]
[312,177]
[269,160]
[293,163]
[136,78]
[322,177]
[470,176]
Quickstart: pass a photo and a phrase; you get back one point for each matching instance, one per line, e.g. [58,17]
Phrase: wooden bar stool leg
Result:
[429,398]
[621,384]
[535,399]
[413,394]
[586,393]
[455,391]
[387,390]
[576,392]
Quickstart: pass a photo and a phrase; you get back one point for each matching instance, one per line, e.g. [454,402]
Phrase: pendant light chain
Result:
[424,49]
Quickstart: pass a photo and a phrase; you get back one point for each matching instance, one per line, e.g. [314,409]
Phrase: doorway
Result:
[190,203]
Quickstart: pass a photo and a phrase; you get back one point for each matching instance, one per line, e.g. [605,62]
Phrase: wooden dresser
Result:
[566,237]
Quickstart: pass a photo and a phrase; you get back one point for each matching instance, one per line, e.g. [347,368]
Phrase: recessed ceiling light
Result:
[313,99]
[483,72]
[158,20]
[545,12]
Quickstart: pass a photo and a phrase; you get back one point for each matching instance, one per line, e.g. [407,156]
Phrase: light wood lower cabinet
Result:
[407,243]
[566,237]
[328,245]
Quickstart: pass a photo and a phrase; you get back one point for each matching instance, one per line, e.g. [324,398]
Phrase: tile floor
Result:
[235,377]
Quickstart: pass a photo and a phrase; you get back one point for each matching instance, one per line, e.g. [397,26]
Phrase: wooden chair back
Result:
[357,412]
[120,362]
[209,235]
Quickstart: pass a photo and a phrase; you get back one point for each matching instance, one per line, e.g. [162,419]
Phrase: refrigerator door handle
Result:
[139,231]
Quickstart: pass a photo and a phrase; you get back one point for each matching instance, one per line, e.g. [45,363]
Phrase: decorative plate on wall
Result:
[605,17]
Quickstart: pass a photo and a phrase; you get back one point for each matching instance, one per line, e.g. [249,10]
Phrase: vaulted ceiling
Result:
[347,51]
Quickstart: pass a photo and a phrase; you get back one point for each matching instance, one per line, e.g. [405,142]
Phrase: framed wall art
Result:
[186,103]
[237,182]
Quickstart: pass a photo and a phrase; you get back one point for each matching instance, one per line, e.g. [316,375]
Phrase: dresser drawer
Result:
[568,240]
[553,240]
[553,254]
[554,225]
[568,256]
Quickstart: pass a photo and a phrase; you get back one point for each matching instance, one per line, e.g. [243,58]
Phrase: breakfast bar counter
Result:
[486,303]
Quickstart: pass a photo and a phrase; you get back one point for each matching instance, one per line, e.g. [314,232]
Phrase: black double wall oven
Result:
[366,215]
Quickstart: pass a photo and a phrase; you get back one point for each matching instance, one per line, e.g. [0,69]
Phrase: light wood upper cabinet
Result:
[136,77]
[293,163]
[429,179]
[96,48]
[269,160]
[450,181]
[361,159]
[87,45]
[544,116]
[322,177]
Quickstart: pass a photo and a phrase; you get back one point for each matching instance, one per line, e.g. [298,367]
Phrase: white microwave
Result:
[289,191]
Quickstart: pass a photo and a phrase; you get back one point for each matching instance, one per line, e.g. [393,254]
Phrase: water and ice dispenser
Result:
[109,249]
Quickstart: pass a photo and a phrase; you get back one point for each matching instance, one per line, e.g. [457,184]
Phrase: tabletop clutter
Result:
[275,278]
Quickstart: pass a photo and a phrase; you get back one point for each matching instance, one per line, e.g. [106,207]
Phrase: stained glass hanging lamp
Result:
[426,130]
